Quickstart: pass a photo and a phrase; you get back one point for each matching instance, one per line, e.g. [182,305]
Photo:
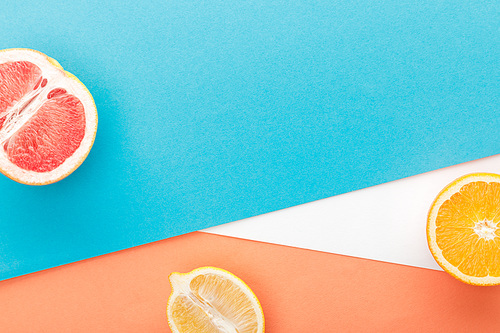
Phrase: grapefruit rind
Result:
[181,278]
[444,195]
[52,69]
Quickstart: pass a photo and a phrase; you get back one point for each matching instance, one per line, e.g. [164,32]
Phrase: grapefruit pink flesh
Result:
[41,124]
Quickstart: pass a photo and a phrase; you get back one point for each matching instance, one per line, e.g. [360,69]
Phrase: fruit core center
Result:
[486,229]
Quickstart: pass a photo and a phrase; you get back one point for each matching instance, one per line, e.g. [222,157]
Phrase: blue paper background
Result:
[214,111]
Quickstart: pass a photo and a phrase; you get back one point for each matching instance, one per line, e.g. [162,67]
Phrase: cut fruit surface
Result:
[48,119]
[212,300]
[463,230]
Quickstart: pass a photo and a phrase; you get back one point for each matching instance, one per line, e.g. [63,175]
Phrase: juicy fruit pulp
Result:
[43,120]
[463,230]
[212,300]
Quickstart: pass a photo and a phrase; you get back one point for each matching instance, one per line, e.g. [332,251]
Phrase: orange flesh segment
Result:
[476,202]
[53,133]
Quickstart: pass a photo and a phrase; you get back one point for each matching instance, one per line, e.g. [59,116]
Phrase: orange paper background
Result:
[300,291]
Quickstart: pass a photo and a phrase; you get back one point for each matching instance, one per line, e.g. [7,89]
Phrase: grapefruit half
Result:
[48,118]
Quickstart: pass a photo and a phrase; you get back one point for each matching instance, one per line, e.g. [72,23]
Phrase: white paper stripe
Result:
[385,222]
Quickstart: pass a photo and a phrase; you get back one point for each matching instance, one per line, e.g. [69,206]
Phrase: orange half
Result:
[463,229]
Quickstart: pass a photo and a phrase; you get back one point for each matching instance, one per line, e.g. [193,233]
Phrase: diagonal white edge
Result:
[385,222]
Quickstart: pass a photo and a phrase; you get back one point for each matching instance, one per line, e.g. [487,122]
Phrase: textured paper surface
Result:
[216,111]
[300,291]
